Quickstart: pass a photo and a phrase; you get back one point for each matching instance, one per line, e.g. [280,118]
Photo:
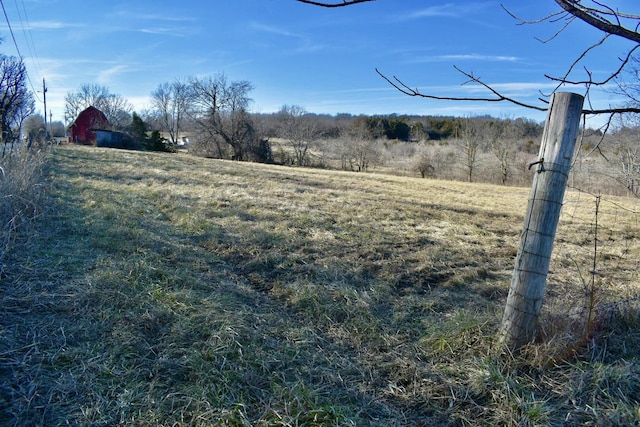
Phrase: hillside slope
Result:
[173,290]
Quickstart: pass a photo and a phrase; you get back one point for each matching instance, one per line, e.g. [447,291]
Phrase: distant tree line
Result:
[213,114]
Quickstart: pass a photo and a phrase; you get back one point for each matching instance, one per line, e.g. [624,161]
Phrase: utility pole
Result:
[44,97]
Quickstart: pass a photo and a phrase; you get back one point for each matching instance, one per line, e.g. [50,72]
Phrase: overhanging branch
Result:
[498,97]
[606,19]
[324,4]
[613,75]
[595,18]
[613,111]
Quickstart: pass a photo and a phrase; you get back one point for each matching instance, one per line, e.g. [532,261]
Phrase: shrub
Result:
[425,166]
[157,143]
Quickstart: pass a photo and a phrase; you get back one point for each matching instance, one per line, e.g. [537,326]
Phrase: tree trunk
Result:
[521,313]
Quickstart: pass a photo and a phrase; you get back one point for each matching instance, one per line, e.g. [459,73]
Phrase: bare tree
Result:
[629,161]
[500,137]
[424,165]
[299,130]
[629,87]
[170,101]
[358,147]
[469,142]
[87,95]
[220,111]
[16,102]
[118,111]
[116,108]
[626,152]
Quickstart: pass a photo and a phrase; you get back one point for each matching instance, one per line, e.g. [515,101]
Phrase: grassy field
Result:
[169,290]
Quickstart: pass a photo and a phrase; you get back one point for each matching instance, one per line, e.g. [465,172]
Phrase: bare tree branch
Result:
[613,111]
[613,75]
[324,4]
[552,17]
[563,79]
[595,18]
[498,97]
[602,17]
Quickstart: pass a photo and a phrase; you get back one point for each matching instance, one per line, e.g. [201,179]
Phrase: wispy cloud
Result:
[274,30]
[150,23]
[127,14]
[363,90]
[302,44]
[107,76]
[160,30]
[476,57]
[453,10]
[52,25]
[448,9]
[166,18]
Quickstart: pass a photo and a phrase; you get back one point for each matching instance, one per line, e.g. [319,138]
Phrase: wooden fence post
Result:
[524,301]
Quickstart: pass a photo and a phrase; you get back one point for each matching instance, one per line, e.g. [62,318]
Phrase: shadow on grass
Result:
[133,306]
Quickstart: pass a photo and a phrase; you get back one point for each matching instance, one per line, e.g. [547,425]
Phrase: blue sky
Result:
[321,59]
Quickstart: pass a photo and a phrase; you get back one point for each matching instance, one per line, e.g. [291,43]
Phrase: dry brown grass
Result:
[172,290]
[20,192]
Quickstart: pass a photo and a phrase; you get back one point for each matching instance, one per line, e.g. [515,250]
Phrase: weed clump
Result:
[20,194]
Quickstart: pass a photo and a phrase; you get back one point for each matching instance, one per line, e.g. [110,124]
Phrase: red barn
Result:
[84,127]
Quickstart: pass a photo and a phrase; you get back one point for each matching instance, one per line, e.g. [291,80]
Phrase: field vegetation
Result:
[21,192]
[164,289]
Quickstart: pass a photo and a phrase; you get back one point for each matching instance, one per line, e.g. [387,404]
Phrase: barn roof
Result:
[84,126]
[89,113]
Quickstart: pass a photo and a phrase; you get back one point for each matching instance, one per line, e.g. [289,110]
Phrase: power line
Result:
[6,17]
[13,37]
[28,35]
